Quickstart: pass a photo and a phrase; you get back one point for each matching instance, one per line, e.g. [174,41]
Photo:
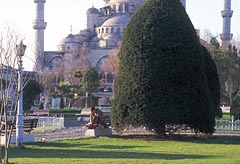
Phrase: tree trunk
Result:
[160,130]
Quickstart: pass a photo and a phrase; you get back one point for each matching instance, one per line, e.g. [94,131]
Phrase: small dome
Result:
[68,39]
[116,21]
[92,10]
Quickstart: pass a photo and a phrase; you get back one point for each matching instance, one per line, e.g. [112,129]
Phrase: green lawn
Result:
[103,150]
[226,116]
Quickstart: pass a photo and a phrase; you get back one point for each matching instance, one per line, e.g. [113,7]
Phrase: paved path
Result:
[74,130]
[67,133]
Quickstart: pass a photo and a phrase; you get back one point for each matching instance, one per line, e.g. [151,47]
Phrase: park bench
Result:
[39,112]
[28,125]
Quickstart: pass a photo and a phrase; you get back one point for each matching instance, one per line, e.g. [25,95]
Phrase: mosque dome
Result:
[69,39]
[121,1]
[92,10]
[115,36]
[116,21]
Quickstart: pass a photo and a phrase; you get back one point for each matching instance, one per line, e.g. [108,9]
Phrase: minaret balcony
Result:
[227,13]
[39,25]
[39,1]
[226,36]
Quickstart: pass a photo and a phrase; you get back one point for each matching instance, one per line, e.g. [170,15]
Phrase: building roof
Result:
[114,36]
[121,1]
[116,21]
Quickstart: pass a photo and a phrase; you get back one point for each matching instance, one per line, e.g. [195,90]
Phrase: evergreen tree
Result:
[213,82]
[162,79]
[30,91]
[235,108]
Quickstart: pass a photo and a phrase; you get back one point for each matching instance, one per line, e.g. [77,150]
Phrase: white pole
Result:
[19,124]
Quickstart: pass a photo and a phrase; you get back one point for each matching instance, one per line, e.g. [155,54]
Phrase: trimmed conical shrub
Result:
[162,79]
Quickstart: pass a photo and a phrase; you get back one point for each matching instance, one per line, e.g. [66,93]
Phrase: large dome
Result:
[116,21]
[112,37]
[121,1]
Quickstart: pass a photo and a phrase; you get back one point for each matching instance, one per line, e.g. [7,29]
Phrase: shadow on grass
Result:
[186,138]
[227,140]
[61,153]
[57,144]
[119,147]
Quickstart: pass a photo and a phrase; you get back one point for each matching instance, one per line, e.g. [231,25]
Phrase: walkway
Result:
[74,130]
[67,133]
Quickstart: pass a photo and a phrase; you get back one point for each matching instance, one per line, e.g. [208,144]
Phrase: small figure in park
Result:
[96,119]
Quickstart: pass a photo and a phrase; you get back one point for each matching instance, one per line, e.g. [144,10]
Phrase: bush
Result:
[162,78]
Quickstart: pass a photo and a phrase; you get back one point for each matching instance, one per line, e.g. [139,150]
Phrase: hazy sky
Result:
[61,14]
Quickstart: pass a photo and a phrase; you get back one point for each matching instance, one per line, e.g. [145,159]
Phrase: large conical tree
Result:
[213,82]
[162,79]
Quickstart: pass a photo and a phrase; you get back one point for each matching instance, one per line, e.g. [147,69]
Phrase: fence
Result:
[49,123]
[222,127]
[227,125]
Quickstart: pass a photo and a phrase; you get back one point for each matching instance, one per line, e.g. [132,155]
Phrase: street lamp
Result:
[19,124]
[86,105]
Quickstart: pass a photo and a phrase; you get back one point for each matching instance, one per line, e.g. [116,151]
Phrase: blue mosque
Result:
[103,33]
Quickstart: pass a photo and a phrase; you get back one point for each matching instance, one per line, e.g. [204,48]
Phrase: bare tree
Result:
[9,92]
[111,62]
[76,60]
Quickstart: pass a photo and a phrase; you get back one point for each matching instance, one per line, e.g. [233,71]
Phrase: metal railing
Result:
[46,123]
[227,125]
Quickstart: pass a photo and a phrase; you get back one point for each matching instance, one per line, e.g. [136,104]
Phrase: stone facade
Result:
[103,33]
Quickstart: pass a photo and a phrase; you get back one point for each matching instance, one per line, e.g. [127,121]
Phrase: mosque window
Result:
[126,7]
[102,30]
[118,30]
[112,30]
[114,8]
[119,8]
[106,30]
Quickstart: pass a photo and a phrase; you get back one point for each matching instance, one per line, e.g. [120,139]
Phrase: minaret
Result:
[39,25]
[226,35]
[183,3]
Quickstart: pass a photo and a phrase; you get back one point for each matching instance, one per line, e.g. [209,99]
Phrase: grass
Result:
[65,110]
[226,116]
[70,118]
[103,150]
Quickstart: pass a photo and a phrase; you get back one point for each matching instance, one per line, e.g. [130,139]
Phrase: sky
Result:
[60,15]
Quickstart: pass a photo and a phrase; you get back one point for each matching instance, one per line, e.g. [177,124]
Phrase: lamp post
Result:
[19,124]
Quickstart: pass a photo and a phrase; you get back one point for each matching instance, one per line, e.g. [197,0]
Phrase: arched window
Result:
[102,30]
[109,89]
[101,89]
[99,31]
[118,30]
[119,8]
[114,8]
[106,30]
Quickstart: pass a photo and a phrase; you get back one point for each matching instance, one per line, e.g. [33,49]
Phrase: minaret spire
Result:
[39,25]
[183,3]
[227,13]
